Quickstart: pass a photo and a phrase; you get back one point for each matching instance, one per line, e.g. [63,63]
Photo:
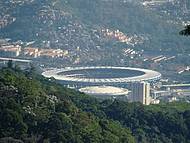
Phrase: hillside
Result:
[35,109]
[86,24]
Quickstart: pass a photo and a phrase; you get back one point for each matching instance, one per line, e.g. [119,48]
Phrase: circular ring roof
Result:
[102,74]
[104,90]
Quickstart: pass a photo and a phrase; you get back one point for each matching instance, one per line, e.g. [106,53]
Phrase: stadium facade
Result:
[79,77]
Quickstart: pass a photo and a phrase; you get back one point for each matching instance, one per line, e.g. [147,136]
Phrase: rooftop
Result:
[104,90]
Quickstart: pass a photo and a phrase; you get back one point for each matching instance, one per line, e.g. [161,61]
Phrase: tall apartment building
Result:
[140,92]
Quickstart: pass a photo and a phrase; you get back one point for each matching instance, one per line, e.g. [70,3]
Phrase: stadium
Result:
[106,92]
[79,77]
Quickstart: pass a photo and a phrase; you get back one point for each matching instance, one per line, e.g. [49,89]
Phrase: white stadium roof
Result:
[104,90]
[146,76]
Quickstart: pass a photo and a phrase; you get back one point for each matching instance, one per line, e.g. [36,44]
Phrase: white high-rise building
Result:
[140,92]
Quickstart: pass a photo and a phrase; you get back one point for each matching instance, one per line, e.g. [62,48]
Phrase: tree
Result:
[32,68]
[10,64]
[186,31]
[12,124]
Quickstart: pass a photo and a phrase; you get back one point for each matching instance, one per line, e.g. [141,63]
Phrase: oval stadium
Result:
[78,77]
[105,92]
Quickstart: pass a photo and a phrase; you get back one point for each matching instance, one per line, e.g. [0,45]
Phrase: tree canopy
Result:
[36,109]
[186,31]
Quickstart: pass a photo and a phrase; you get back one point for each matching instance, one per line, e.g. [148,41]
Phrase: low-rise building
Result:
[155,101]
[10,50]
[53,53]
[33,52]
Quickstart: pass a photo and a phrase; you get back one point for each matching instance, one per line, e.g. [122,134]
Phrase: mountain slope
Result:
[79,23]
[35,110]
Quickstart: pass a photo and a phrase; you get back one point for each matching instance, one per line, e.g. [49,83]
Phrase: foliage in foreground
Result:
[186,31]
[35,109]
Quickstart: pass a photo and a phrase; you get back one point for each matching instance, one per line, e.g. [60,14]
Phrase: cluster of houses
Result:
[118,35]
[122,37]
[17,50]
[6,20]
[160,58]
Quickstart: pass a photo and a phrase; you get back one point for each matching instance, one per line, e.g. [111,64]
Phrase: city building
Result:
[33,52]
[53,53]
[155,101]
[172,99]
[10,50]
[140,92]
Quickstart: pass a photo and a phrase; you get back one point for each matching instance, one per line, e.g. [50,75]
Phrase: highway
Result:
[177,85]
[16,60]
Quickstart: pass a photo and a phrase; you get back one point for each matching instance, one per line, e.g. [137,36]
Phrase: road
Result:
[16,60]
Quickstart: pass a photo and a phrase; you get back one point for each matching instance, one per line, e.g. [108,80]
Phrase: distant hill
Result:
[69,24]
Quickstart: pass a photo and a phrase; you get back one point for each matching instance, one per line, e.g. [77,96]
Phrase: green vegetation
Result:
[186,31]
[32,109]
[47,20]
[153,123]
[35,109]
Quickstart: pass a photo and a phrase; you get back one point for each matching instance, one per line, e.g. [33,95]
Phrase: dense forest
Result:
[36,109]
